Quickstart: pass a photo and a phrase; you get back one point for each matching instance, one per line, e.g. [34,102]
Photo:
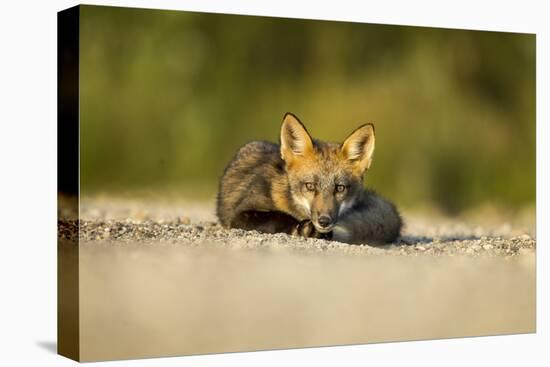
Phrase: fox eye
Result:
[340,188]
[310,186]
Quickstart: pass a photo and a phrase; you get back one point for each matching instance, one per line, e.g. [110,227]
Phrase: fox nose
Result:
[325,221]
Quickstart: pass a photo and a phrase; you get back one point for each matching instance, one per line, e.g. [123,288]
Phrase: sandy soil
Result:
[162,278]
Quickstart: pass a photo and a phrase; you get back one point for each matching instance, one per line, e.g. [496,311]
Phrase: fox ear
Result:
[295,140]
[359,146]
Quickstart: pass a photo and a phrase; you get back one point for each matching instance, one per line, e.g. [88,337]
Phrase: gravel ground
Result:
[160,277]
[193,224]
[148,231]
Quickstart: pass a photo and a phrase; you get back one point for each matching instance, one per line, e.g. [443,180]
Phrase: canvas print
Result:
[241,183]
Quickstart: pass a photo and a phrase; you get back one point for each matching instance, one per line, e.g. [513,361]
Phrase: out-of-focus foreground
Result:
[164,299]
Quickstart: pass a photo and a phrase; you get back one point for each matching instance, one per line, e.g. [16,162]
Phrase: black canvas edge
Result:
[68,188]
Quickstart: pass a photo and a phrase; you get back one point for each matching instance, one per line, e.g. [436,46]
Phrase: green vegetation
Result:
[167,98]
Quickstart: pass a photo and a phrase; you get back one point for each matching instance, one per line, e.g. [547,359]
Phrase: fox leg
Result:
[276,222]
[265,221]
[306,229]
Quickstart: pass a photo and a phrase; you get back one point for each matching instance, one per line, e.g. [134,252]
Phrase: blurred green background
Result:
[168,97]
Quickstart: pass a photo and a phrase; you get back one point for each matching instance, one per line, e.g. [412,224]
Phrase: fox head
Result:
[324,178]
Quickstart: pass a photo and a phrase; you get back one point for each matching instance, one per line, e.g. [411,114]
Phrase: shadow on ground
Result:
[48,345]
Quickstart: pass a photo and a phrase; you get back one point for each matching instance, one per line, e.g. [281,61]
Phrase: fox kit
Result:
[307,187]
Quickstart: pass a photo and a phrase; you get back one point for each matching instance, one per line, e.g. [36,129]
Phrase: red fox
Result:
[307,187]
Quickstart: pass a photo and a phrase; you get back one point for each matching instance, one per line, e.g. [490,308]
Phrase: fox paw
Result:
[306,229]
